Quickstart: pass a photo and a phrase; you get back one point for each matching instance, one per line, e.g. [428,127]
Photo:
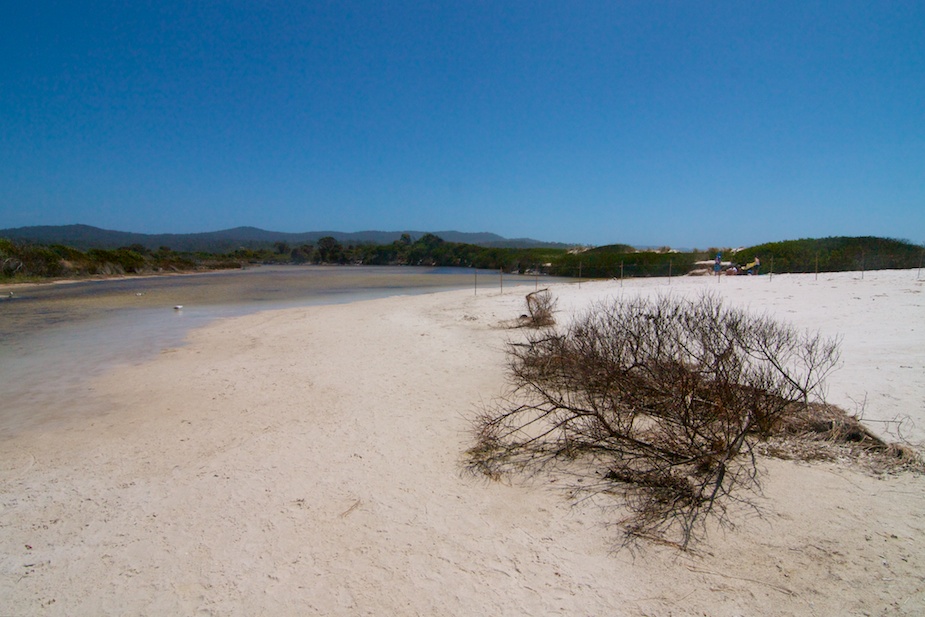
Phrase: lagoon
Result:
[55,337]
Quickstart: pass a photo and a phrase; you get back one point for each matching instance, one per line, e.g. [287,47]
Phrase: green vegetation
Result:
[431,250]
[623,261]
[837,254]
[30,261]
[20,260]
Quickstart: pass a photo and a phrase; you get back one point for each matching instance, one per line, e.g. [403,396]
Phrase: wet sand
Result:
[55,336]
[37,306]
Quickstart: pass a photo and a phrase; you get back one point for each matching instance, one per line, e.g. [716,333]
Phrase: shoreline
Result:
[307,461]
[4,287]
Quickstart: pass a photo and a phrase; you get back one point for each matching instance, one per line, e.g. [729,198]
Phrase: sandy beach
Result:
[307,461]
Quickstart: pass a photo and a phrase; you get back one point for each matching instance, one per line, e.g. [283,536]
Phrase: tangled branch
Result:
[665,398]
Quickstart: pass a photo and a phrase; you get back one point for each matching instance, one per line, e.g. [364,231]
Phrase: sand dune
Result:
[307,462]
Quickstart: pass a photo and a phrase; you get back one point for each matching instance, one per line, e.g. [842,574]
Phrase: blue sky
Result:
[688,124]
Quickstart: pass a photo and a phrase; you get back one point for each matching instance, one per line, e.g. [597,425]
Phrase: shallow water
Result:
[53,337]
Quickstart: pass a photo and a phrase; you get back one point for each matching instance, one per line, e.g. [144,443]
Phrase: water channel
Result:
[55,336]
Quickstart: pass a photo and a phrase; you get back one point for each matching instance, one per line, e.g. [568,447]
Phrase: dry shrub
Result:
[661,401]
[821,432]
[540,308]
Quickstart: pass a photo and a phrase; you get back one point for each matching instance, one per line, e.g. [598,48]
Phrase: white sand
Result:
[307,462]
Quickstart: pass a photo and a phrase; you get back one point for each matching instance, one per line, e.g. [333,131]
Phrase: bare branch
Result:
[668,397]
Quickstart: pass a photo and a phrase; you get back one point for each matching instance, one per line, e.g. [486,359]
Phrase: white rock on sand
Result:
[307,462]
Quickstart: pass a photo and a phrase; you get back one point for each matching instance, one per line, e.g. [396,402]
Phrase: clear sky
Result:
[689,124]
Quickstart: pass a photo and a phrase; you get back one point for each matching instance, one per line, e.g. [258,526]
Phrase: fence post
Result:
[501,279]
[921,259]
[475,289]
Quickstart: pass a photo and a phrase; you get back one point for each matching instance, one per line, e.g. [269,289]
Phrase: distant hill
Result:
[85,237]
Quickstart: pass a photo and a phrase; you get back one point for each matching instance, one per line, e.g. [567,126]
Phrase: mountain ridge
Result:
[84,237]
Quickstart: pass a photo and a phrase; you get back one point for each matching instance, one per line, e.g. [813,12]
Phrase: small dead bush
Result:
[540,308]
[662,401]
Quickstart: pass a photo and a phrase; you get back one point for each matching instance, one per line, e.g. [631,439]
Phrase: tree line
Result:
[25,261]
[20,260]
